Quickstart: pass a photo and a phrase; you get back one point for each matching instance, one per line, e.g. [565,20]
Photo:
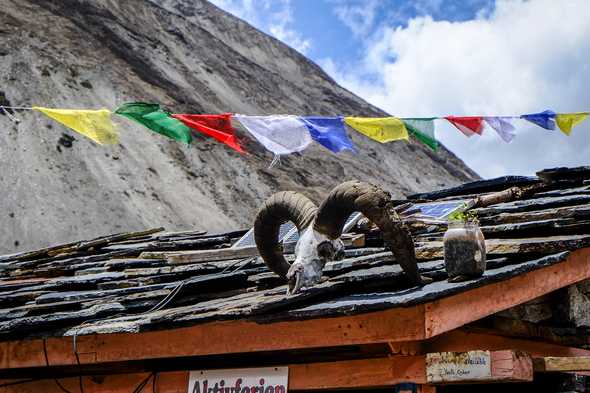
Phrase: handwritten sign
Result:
[245,380]
[458,366]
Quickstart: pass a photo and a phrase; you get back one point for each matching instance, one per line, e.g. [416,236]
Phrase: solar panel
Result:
[437,210]
[288,232]
[248,238]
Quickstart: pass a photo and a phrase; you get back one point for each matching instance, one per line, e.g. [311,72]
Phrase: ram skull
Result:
[320,230]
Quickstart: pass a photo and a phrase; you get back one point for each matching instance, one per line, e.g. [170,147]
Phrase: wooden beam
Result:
[184,257]
[455,311]
[562,364]
[478,367]
[463,340]
[363,373]
[401,324]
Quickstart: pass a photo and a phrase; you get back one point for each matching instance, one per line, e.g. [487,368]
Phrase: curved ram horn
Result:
[278,209]
[376,205]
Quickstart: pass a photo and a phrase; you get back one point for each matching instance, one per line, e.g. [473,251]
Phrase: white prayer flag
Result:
[502,126]
[281,134]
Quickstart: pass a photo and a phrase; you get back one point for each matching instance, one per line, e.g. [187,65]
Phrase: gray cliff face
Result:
[193,58]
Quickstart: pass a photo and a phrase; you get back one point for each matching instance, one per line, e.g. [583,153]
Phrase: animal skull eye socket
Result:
[326,250]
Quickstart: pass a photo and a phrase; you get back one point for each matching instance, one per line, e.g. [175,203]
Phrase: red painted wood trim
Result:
[455,311]
[364,373]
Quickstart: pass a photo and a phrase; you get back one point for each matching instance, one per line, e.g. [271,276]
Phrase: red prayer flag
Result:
[468,125]
[216,126]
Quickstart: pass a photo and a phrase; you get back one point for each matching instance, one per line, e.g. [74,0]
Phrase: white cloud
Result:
[359,17]
[274,17]
[523,57]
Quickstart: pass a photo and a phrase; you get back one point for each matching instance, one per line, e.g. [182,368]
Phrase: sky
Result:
[452,57]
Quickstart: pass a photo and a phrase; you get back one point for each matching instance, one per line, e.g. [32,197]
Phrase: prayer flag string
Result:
[287,134]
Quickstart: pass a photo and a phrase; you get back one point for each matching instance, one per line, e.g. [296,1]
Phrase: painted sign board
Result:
[245,380]
[458,366]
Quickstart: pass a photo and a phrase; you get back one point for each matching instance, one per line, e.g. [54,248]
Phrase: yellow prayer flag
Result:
[567,121]
[94,124]
[381,129]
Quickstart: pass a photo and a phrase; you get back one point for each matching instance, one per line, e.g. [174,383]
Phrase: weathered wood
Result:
[507,195]
[478,367]
[562,364]
[353,240]
[223,254]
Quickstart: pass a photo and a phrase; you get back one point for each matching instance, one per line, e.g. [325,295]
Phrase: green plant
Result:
[464,214]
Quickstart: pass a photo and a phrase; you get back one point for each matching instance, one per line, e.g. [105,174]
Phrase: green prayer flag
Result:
[154,118]
[423,129]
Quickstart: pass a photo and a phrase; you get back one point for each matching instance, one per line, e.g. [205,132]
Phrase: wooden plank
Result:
[401,324]
[362,373]
[562,364]
[467,339]
[457,310]
[183,257]
[224,254]
[478,367]
[353,240]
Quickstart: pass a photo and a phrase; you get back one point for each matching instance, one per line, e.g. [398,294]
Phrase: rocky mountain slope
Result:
[193,58]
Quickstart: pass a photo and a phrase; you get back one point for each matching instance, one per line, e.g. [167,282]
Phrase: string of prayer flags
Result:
[286,134]
[422,128]
[567,121]
[157,120]
[381,129]
[329,132]
[94,124]
[280,134]
[468,125]
[502,126]
[215,126]
[545,119]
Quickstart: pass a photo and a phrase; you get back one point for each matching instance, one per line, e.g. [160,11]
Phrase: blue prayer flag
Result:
[329,132]
[545,119]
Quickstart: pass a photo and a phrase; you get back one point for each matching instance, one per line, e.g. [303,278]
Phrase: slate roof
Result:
[103,286]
